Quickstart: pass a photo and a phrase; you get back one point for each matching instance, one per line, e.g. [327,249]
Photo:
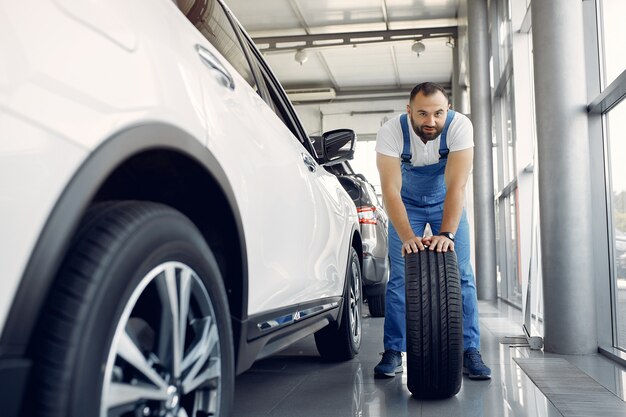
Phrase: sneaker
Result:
[390,364]
[473,365]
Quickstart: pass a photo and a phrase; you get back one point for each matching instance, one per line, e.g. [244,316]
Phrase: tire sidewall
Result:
[354,263]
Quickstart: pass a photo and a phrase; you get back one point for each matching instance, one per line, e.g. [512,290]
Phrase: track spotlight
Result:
[301,56]
[418,47]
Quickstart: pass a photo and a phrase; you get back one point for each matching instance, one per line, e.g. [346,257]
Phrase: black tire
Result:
[434,321]
[376,304]
[138,309]
[343,342]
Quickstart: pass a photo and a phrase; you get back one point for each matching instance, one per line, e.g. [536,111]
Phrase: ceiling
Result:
[354,49]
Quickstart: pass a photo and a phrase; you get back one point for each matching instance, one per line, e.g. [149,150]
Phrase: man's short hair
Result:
[428,89]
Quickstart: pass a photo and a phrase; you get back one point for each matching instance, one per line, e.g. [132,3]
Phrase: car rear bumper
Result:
[375,270]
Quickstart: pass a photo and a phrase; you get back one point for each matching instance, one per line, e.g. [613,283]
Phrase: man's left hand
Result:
[438,243]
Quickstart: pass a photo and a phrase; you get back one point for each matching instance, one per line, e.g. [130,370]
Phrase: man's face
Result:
[428,114]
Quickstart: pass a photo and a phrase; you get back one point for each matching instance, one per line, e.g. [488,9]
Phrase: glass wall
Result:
[504,32]
[507,226]
[613,29]
[508,135]
[514,282]
[616,138]
[514,142]
[504,154]
[610,104]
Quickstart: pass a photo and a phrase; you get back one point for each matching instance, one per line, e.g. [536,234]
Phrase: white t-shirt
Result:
[389,140]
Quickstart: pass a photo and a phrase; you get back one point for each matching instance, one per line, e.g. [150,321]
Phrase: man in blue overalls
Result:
[424,158]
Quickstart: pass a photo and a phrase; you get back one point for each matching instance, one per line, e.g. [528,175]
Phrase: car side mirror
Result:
[337,146]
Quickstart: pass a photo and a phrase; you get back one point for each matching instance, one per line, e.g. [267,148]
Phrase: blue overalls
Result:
[423,193]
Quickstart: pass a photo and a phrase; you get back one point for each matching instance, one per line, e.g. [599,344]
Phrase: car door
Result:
[271,172]
[335,213]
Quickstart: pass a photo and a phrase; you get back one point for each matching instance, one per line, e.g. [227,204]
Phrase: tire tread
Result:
[434,325]
[376,304]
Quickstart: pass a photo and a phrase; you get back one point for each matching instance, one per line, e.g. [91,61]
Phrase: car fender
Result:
[66,215]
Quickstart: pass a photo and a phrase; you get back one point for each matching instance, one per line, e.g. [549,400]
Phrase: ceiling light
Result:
[418,47]
[301,56]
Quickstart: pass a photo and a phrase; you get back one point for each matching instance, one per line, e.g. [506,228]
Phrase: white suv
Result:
[164,219]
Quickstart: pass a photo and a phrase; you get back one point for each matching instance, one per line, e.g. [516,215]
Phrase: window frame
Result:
[278,100]
[269,88]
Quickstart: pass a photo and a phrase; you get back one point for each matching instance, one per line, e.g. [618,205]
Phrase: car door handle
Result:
[211,61]
[309,162]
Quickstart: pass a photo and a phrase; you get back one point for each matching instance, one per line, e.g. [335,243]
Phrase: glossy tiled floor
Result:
[296,383]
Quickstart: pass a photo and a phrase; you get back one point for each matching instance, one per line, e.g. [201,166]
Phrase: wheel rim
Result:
[165,357]
[355,304]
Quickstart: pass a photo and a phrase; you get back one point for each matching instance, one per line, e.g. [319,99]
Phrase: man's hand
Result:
[413,245]
[438,243]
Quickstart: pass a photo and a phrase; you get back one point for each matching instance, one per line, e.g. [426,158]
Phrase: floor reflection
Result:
[297,383]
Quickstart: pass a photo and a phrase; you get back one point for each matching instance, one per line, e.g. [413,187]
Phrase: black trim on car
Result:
[277,92]
[268,322]
[261,344]
[241,37]
[66,215]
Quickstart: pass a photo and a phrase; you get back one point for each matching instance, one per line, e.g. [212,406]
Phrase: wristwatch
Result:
[449,235]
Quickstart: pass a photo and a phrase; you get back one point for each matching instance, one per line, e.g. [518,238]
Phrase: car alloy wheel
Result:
[177,375]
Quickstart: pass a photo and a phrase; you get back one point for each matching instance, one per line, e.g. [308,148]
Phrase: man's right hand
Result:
[412,245]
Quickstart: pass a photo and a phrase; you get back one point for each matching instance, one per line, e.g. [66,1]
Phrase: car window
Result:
[214,25]
[272,100]
[352,188]
[277,99]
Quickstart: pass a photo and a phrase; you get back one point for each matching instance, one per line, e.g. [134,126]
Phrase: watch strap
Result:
[449,235]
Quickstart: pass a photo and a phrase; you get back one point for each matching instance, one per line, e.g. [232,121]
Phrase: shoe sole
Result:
[475,377]
[399,370]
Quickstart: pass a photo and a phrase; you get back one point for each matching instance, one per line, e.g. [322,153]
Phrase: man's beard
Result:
[427,136]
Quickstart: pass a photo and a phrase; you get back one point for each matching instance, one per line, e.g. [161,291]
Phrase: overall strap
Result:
[443,144]
[406,149]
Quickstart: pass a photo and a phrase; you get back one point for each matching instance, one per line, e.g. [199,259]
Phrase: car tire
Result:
[137,322]
[376,304]
[434,334]
[342,342]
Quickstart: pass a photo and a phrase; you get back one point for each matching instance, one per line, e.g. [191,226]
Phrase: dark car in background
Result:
[373,221]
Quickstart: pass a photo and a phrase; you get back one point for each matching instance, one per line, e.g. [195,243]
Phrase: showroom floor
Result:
[296,383]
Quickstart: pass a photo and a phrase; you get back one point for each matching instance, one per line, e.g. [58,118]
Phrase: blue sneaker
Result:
[473,365]
[390,364]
